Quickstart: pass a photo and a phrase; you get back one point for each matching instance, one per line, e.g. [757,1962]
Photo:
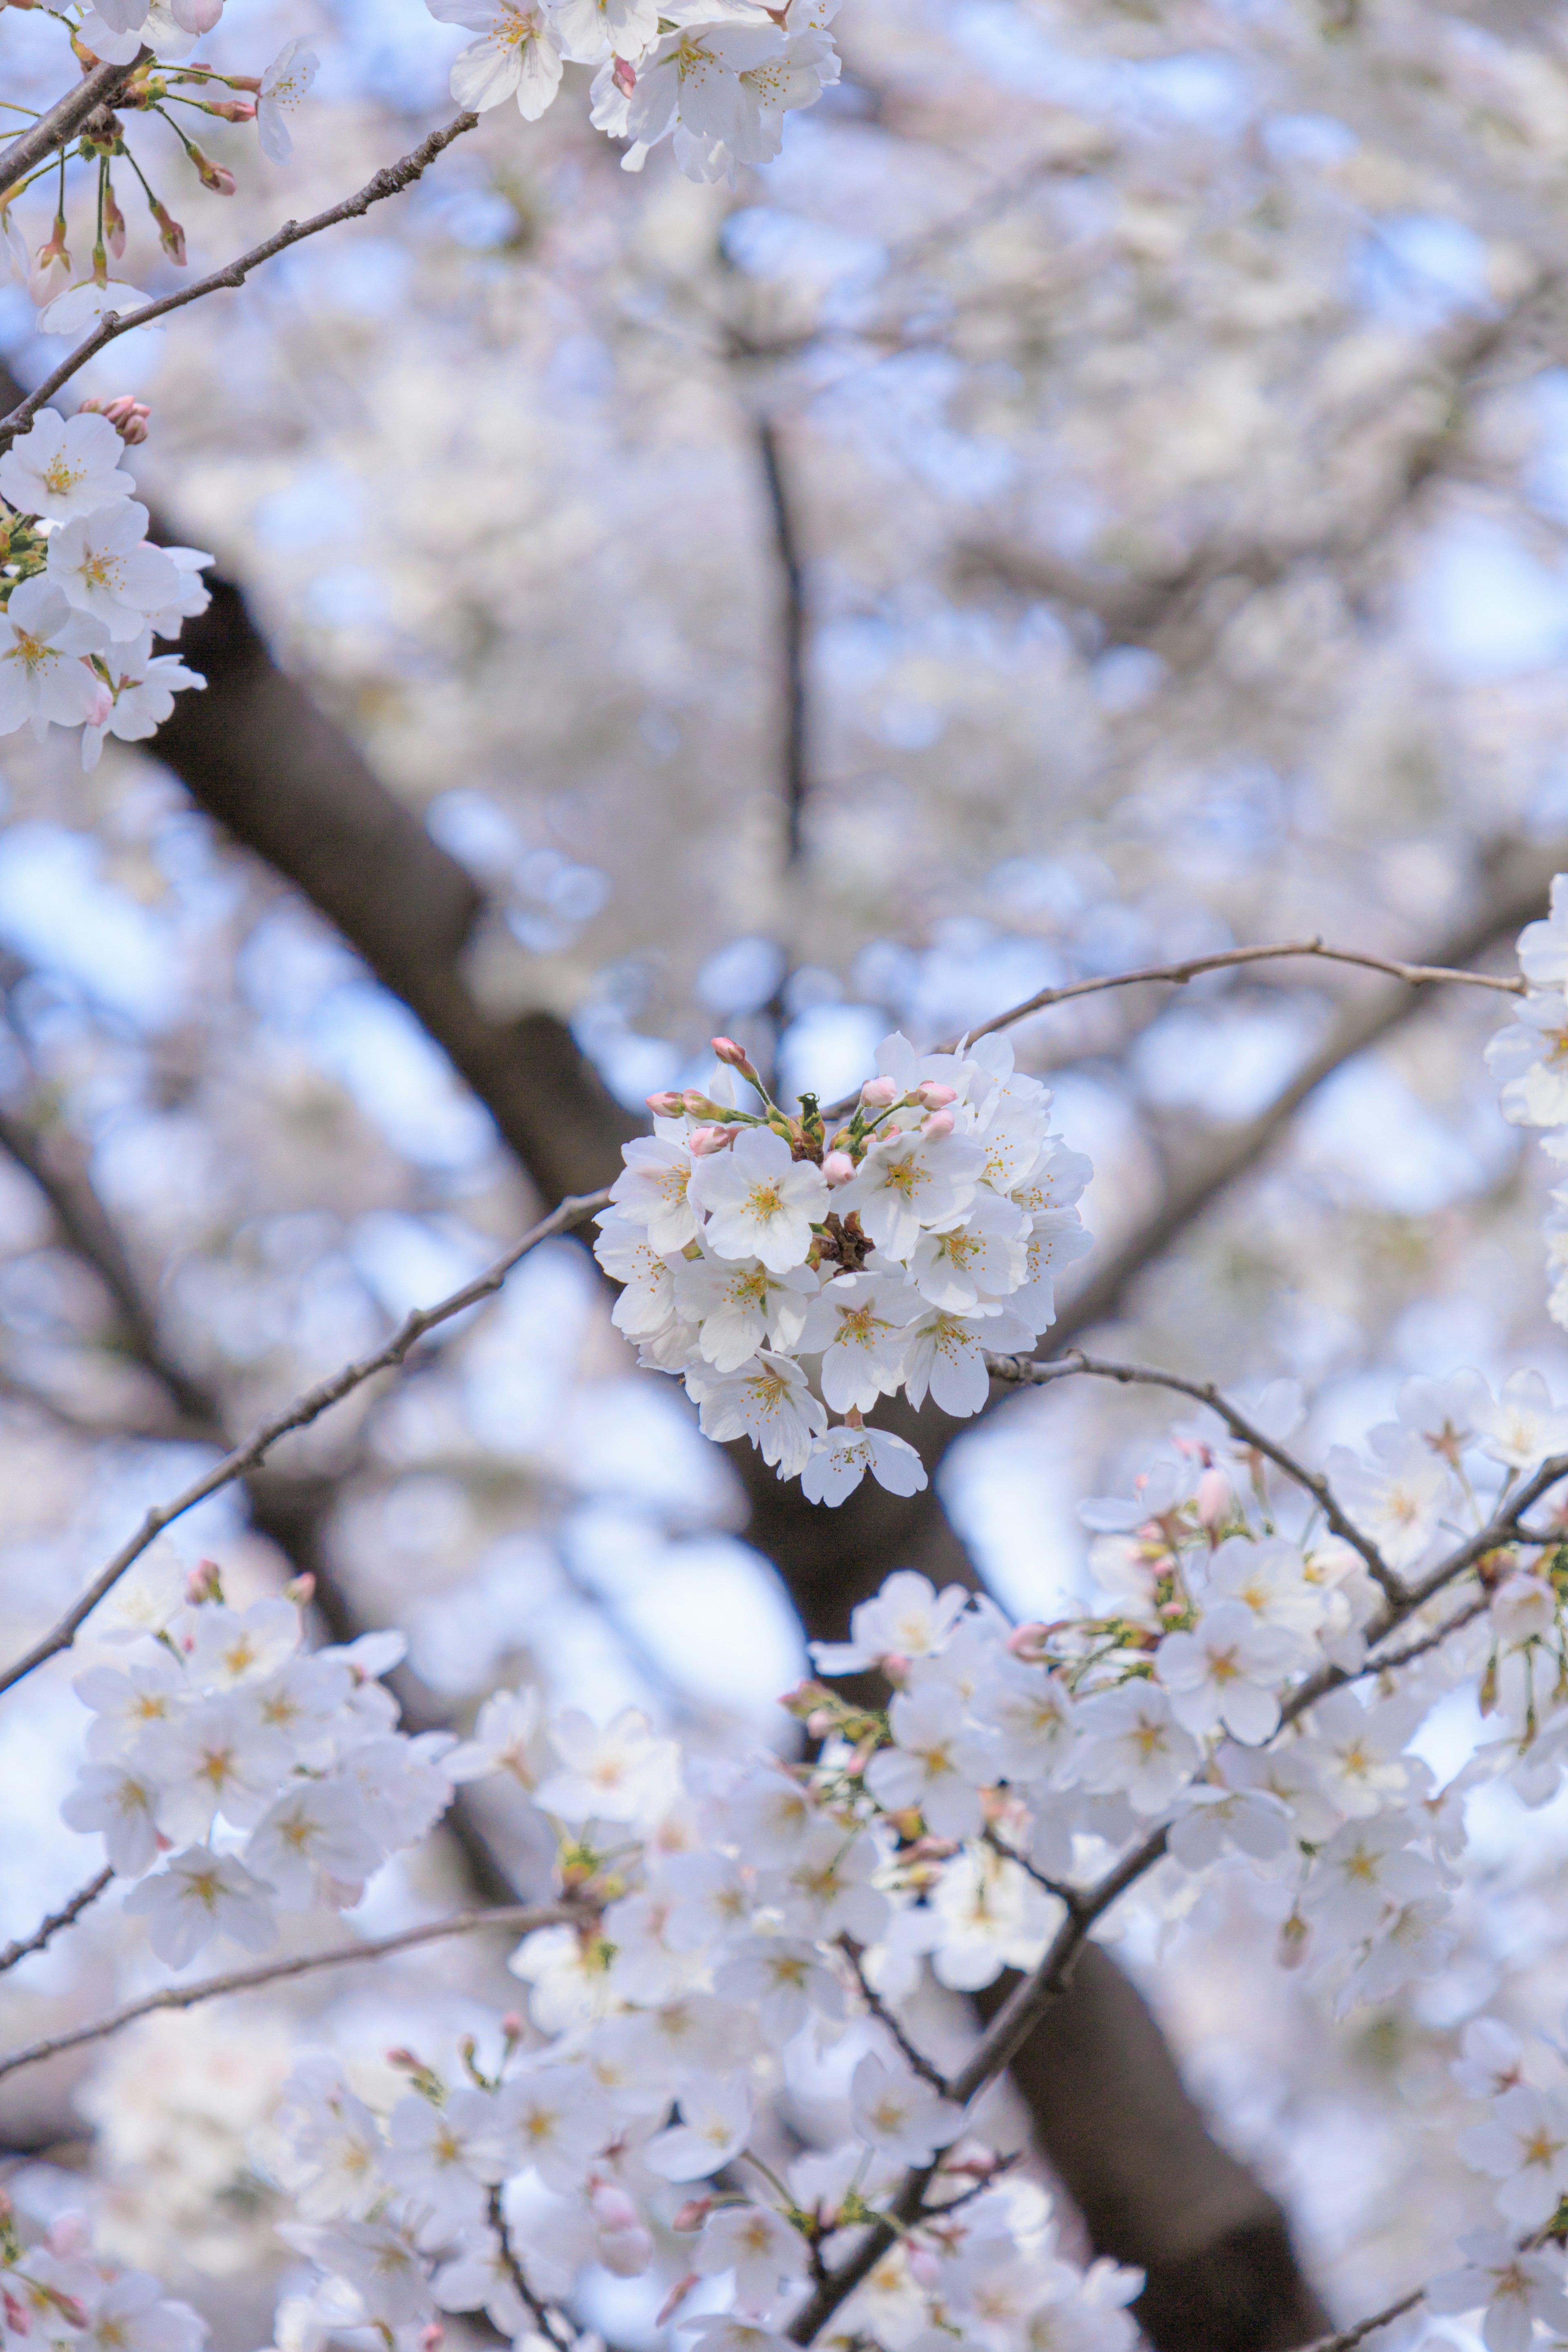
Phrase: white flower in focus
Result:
[517,56]
[900,2116]
[651,1190]
[590,29]
[935,1766]
[910,1181]
[908,1619]
[125,1704]
[947,1355]
[760,1201]
[858,1325]
[693,78]
[617,1773]
[104,565]
[198,1895]
[715,2122]
[839,1462]
[743,1305]
[42,675]
[144,688]
[767,1400]
[983,1257]
[63,468]
[192,596]
[758,2245]
[1056,1239]
[1523,1427]
[1516,2287]
[229,1646]
[1225,1671]
[1269,1580]
[283,85]
[215,1756]
[554,2119]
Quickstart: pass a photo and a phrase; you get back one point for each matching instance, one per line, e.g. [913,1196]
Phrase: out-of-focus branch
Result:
[519,1919]
[794,778]
[299,1414]
[99,87]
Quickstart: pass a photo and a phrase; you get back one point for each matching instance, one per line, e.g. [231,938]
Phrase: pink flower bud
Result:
[666,1104]
[726,1049]
[511,2025]
[939,1123]
[403,2060]
[431,2335]
[1028,1642]
[613,2209]
[839,1167]
[880,1094]
[625,76]
[301,1589]
[932,1097]
[1214,1497]
[231,110]
[215,176]
[675,2298]
[692,2214]
[704,1140]
[205,1582]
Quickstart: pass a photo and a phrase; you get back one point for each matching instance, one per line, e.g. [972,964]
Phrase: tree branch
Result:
[517,1918]
[390,181]
[794,771]
[1026,1372]
[64,1917]
[299,1414]
[99,87]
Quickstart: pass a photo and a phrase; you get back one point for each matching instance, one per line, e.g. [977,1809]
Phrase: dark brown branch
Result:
[390,181]
[99,87]
[793,768]
[1350,2337]
[884,2016]
[66,1916]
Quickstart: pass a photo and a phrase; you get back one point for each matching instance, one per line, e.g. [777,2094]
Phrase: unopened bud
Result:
[215,176]
[692,2214]
[625,75]
[511,2028]
[675,2298]
[431,2335]
[301,1589]
[1029,1642]
[231,110]
[935,1097]
[939,1124]
[734,1055]
[171,235]
[113,224]
[403,2060]
[613,2209]
[704,1140]
[880,1094]
[697,1104]
[666,1104]
[837,1167]
[805,1697]
[205,1582]
[1214,1497]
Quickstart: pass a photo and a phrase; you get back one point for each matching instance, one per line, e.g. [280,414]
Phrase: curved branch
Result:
[390,181]
[1024,1373]
[64,1917]
[518,1918]
[299,1414]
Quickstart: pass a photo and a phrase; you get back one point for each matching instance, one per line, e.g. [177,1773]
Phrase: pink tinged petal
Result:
[484,74]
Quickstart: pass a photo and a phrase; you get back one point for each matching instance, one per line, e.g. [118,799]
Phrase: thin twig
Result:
[63,1917]
[1351,2336]
[923,2065]
[304,1409]
[390,181]
[517,1918]
[1416,975]
[1031,1372]
[101,86]
[795,776]
[549,2323]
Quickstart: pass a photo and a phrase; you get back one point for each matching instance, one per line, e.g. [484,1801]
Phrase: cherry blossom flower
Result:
[1531,1059]
[755,2243]
[900,2116]
[283,85]
[619,1772]
[446,2155]
[1523,1426]
[767,1400]
[144,686]
[907,1618]
[1517,2288]
[909,1182]
[857,1324]
[1524,2146]
[743,1307]
[715,2122]
[1400,1503]
[105,567]
[199,1895]
[42,675]
[509,1737]
[1225,1671]
[123,1804]
[517,56]
[946,1357]
[759,1201]
[652,1189]
[65,468]
[314,1832]
[935,1765]
[838,1463]
[1135,1746]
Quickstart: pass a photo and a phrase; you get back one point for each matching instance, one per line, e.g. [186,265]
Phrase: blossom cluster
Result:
[631,2122]
[84,592]
[1531,1058]
[889,1254]
[715,76]
[57,2289]
[233,1774]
